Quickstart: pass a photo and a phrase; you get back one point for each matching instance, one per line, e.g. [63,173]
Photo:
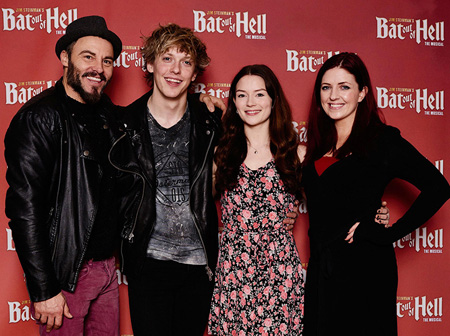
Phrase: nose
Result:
[250,101]
[334,94]
[176,68]
[98,66]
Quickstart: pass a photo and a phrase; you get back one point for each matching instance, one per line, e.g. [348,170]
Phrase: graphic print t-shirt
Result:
[174,236]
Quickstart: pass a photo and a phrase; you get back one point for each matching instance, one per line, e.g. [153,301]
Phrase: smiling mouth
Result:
[335,106]
[95,77]
[173,80]
[252,112]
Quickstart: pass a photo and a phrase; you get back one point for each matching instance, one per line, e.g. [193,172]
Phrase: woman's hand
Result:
[382,216]
[351,232]
[291,217]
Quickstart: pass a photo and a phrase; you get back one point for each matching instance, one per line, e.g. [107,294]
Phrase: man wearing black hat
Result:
[60,201]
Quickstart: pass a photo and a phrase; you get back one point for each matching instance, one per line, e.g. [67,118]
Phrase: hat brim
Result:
[108,35]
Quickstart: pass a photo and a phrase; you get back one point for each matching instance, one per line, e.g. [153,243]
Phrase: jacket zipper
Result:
[59,189]
[207,268]
[131,234]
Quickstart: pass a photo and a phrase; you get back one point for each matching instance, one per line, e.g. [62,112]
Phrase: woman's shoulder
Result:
[388,134]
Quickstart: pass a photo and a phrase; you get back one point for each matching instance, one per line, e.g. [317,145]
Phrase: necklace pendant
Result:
[256,152]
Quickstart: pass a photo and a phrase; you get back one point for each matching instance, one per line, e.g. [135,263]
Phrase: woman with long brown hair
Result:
[259,282]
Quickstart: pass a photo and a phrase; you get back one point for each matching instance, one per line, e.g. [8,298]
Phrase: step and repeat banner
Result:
[403,44]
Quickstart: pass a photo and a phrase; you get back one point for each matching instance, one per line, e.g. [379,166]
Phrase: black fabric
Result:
[138,207]
[104,236]
[54,177]
[340,275]
[88,26]
[168,298]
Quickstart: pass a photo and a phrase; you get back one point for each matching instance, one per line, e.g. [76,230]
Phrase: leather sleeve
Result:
[31,150]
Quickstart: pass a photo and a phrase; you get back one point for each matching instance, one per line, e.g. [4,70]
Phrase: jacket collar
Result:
[203,126]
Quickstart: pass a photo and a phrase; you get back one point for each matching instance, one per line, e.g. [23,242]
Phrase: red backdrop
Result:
[402,42]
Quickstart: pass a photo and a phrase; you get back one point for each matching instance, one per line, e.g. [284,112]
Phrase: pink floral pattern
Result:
[259,282]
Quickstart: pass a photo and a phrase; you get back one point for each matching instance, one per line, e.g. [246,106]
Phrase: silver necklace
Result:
[255,151]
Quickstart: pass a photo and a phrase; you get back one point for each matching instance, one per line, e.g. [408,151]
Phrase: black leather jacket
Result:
[53,178]
[139,188]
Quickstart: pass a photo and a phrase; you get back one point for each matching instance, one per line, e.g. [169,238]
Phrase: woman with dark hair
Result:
[351,156]
[259,282]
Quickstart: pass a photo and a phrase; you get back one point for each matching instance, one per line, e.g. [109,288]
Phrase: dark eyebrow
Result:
[87,52]
[94,54]
[340,83]
[188,56]
[255,90]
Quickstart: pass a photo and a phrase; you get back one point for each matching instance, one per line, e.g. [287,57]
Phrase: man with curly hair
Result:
[171,230]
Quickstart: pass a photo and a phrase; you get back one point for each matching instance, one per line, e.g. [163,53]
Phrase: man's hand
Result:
[212,102]
[291,217]
[382,216]
[51,311]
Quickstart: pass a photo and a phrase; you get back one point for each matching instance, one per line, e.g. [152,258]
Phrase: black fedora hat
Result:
[88,26]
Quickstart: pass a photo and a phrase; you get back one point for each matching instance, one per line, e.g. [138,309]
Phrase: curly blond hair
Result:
[172,35]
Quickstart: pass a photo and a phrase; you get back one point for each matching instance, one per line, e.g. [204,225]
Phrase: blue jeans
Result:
[169,298]
[94,304]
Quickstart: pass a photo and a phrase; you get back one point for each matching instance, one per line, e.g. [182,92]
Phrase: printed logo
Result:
[130,56]
[21,92]
[30,19]
[300,129]
[9,241]
[302,207]
[19,311]
[239,23]
[421,239]
[420,100]
[420,308]
[440,166]
[219,90]
[432,34]
[306,60]
[121,278]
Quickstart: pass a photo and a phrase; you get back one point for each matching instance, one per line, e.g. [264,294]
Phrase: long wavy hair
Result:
[232,148]
[322,134]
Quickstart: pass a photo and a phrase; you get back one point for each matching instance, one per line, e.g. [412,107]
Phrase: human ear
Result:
[362,94]
[64,57]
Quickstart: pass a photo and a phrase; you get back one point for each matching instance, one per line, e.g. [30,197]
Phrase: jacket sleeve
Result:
[30,151]
[405,162]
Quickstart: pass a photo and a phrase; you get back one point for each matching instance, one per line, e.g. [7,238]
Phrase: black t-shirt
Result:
[94,128]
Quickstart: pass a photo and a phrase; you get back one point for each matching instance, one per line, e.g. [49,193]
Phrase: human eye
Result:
[188,63]
[166,58]
[345,87]
[240,95]
[108,62]
[325,87]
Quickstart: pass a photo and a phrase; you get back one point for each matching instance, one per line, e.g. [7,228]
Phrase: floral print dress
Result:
[259,282]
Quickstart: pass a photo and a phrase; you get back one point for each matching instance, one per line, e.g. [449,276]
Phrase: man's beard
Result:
[74,80]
